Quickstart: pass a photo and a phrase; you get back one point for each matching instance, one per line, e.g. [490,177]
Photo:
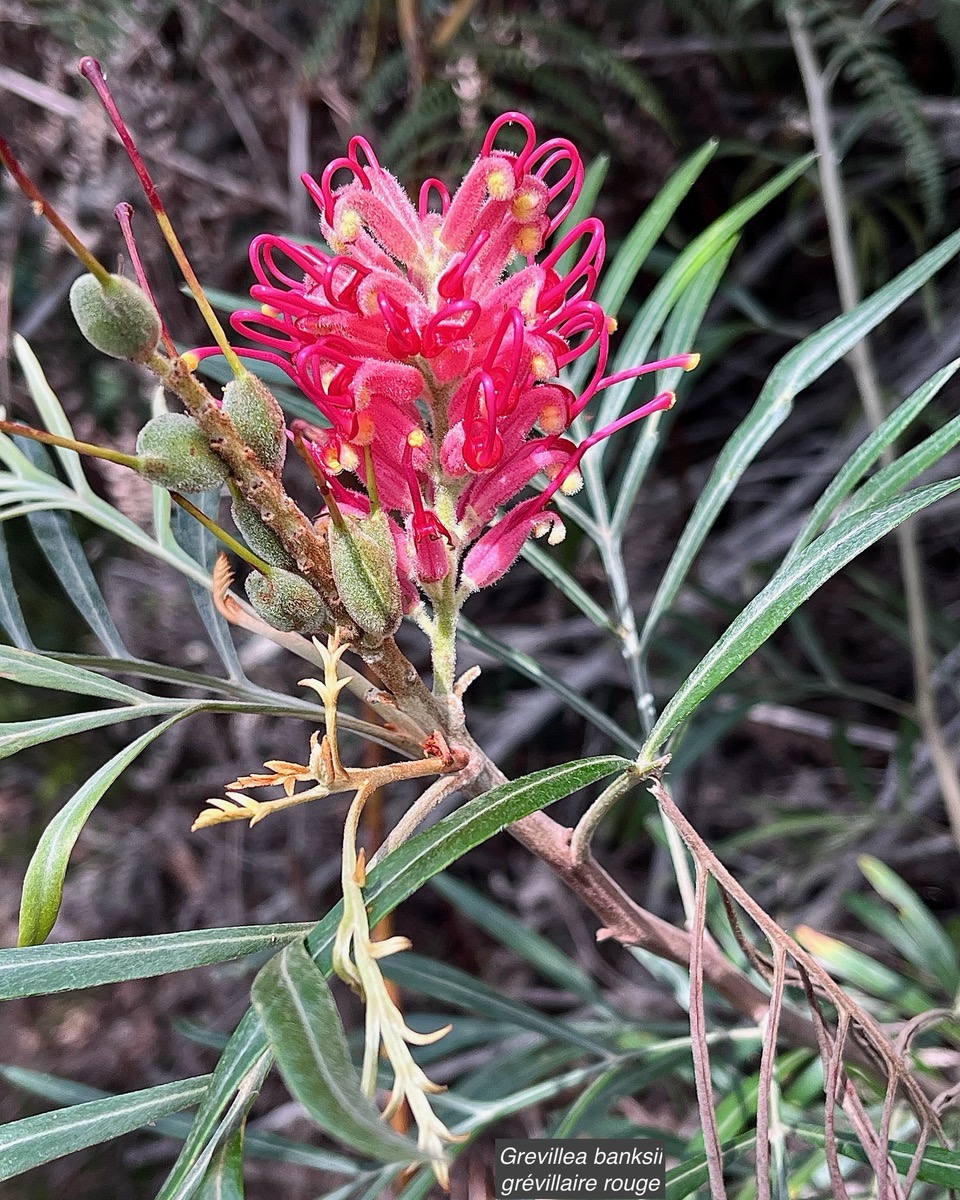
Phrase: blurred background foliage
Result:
[808,758]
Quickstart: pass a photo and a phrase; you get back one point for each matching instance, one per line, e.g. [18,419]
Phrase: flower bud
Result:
[364,562]
[258,536]
[175,454]
[117,317]
[258,418]
[288,603]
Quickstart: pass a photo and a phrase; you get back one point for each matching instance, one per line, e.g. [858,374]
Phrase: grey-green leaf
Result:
[35,1140]
[303,1028]
[18,735]
[42,970]
[43,884]
[37,670]
[783,594]
[389,884]
[795,371]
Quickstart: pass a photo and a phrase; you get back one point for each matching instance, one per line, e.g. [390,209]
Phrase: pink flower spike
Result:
[346,298]
[428,186]
[558,150]
[512,118]
[241,322]
[592,255]
[360,143]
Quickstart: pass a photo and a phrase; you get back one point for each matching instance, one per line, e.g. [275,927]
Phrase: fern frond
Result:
[862,55]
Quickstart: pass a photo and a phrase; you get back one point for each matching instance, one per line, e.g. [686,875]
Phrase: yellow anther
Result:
[552,419]
[527,239]
[540,366]
[572,484]
[416,438]
[611,324]
[365,430]
[349,225]
[524,204]
[500,183]
[269,311]
[190,361]
[528,303]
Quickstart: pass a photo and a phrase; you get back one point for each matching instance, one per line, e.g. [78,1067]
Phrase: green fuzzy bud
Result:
[258,536]
[364,562]
[175,454]
[258,418]
[288,603]
[117,317]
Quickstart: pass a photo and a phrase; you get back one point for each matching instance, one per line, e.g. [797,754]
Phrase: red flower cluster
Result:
[435,364]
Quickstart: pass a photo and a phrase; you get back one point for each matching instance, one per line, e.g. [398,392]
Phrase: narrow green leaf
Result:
[783,594]
[223,1178]
[62,549]
[907,467]
[11,614]
[40,670]
[35,1140]
[201,546]
[389,884]
[61,967]
[795,371]
[450,985]
[303,1028]
[924,942]
[51,412]
[644,328]
[866,454]
[679,335]
[43,883]
[937,1166]
[564,582]
[64,1092]
[532,670]
[510,931]
[18,735]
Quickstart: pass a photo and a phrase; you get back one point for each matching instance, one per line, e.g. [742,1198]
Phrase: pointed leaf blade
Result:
[303,1029]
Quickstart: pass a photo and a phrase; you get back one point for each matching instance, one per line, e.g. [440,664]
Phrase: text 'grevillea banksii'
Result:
[433,360]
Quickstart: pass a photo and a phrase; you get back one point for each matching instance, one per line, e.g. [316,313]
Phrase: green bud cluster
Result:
[258,536]
[258,418]
[364,562]
[175,454]
[117,317]
[288,603]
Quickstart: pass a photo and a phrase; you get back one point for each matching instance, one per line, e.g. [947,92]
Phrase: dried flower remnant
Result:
[434,363]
